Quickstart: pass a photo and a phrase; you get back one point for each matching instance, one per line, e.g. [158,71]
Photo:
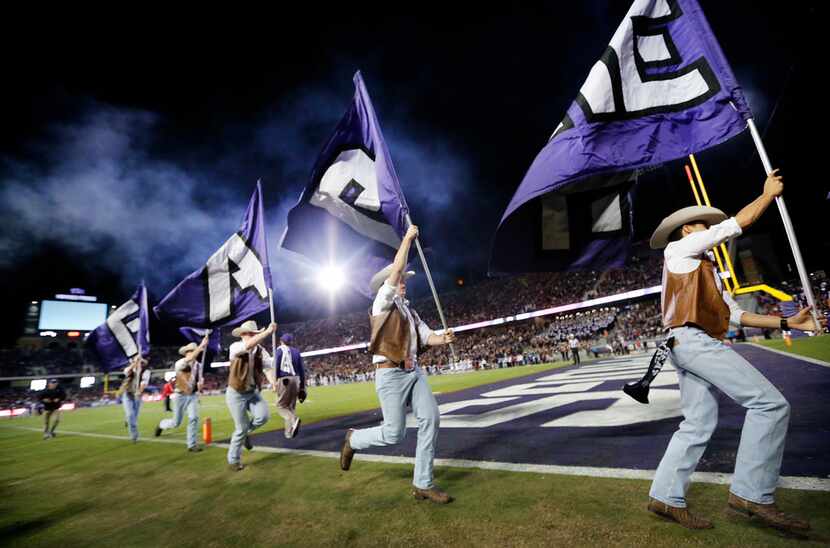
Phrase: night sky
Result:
[130,146]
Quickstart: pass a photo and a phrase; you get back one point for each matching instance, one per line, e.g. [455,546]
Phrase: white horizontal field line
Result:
[787,482]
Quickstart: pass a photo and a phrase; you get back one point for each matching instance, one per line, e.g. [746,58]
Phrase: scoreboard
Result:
[71,315]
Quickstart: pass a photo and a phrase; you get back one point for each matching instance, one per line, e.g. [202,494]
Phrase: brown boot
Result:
[433,493]
[768,513]
[346,452]
[680,515]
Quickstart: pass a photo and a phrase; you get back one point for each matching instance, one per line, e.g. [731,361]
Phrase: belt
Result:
[392,365]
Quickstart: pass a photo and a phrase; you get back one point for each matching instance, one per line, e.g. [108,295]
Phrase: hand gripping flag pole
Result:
[198,377]
[274,334]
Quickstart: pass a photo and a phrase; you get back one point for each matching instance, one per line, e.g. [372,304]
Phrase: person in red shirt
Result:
[167,391]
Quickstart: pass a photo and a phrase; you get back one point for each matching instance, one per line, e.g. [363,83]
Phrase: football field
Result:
[535,456]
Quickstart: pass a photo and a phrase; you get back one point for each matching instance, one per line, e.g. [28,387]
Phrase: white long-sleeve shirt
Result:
[388,297]
[684,255]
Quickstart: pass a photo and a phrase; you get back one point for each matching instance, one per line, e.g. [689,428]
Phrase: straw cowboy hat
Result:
[246,327]
[190,347]
[687,215]
[380,277]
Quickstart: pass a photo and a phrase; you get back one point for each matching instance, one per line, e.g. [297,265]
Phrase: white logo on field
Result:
[569,387]
[348,190]
[250,274]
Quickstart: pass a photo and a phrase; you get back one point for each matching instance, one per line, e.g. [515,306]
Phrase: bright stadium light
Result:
[331,278]
[86,382]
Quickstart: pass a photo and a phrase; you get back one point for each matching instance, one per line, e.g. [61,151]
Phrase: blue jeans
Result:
[396,388]
[181,403]
[132,405]
[240,404]
[702,363]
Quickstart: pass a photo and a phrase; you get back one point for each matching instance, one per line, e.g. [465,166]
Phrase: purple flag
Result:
[662,90]
[196,335]
[352,213]
[125,333]
[234,283]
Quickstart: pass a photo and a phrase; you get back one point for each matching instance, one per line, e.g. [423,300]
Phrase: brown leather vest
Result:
[693,298]
[183,381]
[128,384]
[390,334]
[244,376]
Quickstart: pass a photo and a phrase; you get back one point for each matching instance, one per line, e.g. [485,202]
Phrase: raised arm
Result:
[773,187]
[193,354]
[402,256]
[259,337]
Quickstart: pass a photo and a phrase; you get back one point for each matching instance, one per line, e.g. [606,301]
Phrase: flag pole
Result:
[202,365]
[274,334]
[788,226]
[432,288]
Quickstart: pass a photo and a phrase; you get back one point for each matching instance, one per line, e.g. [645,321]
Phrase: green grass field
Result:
[811,347]
[88,491]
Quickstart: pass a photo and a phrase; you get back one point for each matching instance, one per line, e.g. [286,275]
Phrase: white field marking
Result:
[665,378]
[605,371]
[616,375]
[537,389]
[521,410]
[786,482]
[591,374]
[565,388]
[663,404]
[94,435]
[599,366]
[597,379]
[790,355]
[609,369]
[456,405]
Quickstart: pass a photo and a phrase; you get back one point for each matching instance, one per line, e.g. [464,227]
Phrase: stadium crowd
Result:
[618,329]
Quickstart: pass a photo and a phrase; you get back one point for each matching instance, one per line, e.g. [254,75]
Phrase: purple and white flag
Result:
[352,213]
[194,334]
[232,286]
[125,334]
[661,91]
[214,346]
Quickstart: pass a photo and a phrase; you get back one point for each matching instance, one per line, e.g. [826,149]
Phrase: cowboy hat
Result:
[687,215]
[383,275]
[247,327]
[189,347]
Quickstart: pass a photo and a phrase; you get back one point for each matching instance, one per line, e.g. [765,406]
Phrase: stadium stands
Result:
[624,325]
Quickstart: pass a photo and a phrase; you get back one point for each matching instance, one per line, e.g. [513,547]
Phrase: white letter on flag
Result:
[124,333]
[250,274]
